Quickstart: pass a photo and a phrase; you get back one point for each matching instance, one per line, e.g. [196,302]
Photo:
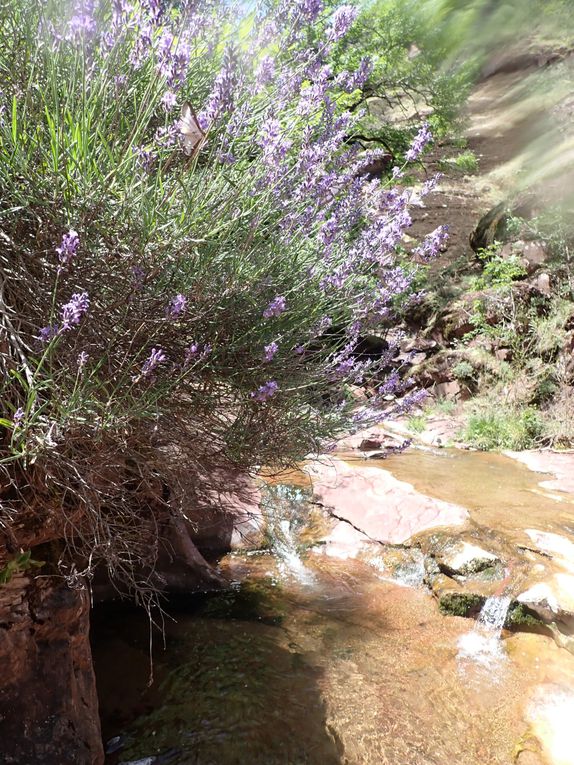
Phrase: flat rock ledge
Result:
[372,505]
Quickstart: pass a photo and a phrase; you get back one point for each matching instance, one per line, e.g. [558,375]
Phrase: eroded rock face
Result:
[48,700]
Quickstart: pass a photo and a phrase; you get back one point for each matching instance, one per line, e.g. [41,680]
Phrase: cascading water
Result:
[281,511]
[483,644]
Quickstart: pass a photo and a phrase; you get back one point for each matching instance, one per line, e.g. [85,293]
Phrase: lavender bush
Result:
[162,295]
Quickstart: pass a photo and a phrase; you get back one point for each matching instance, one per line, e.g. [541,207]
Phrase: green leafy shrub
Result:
[504,429]
[498,271]
[463,370]
[182,221]
[408,75]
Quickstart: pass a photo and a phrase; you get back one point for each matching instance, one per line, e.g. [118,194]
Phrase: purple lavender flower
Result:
[18,417]
[146,157]
[156,357]
[154,9]
[173,58]
[197,352]
[265,72]
[349,81]
[168,100]
[265,391]
[46,334]
[68,247]
[323,324]
[433,243]
[273,142]
[270,351]
[275,307]
[82,22]
[177,306]
[73,311]
[222,96]
[138,275]
[168,136]
[82,360]
[421,140]
[341,21]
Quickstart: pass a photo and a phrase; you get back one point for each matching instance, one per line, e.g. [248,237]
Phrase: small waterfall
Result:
[493,614]
[283,510]
[483,644]
[284,547]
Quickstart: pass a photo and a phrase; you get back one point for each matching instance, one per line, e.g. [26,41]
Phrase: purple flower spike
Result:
[82,360]
[169,100]
[73,311]
[433,244]
[422,138]
[68,247]
[264,392]
[265,72]
[156,357]
[270,351]
[18,417]
[47,333]
[275,307]
[177,306]
[341,21]
[197,352]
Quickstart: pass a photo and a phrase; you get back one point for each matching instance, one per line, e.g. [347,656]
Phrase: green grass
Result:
[498,429]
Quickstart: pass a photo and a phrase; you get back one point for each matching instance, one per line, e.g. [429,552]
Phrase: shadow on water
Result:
[231,686]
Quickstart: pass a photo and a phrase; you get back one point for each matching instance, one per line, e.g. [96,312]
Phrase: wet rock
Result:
[377,504]
[552,600]
[370,444]
[404,565]
[463,558]
[541,599]
[561,464]
[460,603]
[551,711]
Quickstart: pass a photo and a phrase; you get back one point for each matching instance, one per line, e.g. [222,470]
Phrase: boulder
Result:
[463,558]
[447,390]
[532,255]
[552,600]
[542,284]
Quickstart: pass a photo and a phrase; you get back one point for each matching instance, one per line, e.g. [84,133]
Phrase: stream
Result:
[311,659]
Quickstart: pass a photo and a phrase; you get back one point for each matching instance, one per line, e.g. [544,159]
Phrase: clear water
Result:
[352,670]
[483,644]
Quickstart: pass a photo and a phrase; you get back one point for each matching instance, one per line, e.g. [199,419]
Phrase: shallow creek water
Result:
[310,660]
